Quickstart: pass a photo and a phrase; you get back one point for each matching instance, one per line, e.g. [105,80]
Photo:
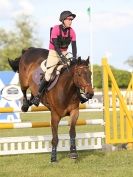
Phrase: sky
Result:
[107,31]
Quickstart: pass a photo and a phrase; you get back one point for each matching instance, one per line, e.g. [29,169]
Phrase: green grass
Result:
[89,164]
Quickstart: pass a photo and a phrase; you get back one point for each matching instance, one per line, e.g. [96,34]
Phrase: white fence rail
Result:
[41,144]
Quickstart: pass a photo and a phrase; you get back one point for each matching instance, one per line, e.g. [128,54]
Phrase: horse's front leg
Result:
[54,126]
[25,105]
[74,116]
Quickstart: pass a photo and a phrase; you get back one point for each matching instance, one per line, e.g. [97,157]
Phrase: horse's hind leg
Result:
[30,100]
[25,105]
[24,82]
[74,116]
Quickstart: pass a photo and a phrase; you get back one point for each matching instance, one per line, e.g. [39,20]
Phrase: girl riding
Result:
[61,37]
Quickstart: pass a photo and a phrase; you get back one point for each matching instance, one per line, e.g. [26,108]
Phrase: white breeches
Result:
[51,62]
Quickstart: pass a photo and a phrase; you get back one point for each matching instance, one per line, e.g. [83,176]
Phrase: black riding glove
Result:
[63,59]
[74,58]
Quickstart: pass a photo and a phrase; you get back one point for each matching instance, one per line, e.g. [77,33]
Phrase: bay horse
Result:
[63,99]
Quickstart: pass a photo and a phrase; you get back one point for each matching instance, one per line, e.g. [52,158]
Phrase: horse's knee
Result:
[48,73]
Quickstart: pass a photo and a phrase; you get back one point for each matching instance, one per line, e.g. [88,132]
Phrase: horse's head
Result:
[82,77]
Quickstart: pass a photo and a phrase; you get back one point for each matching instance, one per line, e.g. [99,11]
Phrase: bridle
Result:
[81,85]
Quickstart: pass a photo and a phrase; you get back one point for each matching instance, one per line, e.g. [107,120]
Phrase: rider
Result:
[61,36]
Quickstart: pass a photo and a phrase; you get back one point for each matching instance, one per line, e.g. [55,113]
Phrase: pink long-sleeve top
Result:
[56,32]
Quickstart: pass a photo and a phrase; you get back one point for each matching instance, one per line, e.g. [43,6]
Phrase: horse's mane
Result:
[79,61]
[73,63]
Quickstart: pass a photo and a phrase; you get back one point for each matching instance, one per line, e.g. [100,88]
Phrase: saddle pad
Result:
[38,74]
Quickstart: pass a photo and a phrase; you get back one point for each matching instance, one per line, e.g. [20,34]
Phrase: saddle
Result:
[39,74]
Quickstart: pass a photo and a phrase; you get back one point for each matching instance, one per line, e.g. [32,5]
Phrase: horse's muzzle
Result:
[89,95]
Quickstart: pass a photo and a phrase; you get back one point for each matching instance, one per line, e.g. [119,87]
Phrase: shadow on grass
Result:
[81,154]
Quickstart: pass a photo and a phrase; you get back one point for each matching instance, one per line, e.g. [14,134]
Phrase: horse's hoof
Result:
[73,155]
[54,162]
[53,159]
[25,108]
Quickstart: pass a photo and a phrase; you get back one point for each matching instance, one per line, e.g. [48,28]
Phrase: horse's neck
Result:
[65,91]
[68,86]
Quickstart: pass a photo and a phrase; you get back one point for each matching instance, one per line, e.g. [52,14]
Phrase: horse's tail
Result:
[14,64]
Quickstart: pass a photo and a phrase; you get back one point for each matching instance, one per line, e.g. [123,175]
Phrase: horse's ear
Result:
[88,60]
[79,60]
[9,59]
[24,50]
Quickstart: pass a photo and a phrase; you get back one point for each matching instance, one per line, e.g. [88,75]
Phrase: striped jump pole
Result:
[48,124]
[33,108]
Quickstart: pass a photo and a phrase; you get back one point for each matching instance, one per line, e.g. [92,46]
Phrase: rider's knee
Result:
[47,77]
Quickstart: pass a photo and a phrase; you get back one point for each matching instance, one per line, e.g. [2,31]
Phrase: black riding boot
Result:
[42,88]
[83,99]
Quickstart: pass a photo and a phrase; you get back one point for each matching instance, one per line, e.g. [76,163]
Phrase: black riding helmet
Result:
[66,14]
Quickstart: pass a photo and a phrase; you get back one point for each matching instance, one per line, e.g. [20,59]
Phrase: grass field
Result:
[89,163]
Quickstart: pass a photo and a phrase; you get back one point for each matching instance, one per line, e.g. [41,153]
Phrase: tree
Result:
[122,77]
[97,75]
[129,61]
[12,42]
